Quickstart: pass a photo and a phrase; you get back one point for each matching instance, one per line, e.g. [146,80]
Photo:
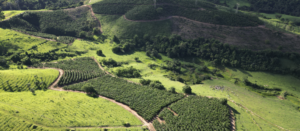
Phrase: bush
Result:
[157,84]
[88,88]
[187,89]
[116,39]
[110,62]
[172,90]
[99,53]
[223,101]
[145,81]
[128,72]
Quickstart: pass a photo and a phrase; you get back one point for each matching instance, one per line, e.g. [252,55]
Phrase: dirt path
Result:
[174,113]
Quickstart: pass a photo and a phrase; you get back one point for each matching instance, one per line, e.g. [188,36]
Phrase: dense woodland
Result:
[39,4]
[145,100]
[210,115]
[289,7]
[76,70]
[218,53]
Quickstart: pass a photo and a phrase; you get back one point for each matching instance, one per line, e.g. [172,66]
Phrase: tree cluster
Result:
[289,7]
[218,53]
[128,72]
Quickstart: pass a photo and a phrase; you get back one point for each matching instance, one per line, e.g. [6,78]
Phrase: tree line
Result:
[219,54]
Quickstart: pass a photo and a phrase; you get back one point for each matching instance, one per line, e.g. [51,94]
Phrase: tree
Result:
[187,89]
[145,81]
[2,16]
[89,89]
[116,39]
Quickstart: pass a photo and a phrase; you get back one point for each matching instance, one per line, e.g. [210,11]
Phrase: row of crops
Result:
[26,79]
[11,123]
[76,70]
[71,76]
[147,101]
[64,109]
[195,114]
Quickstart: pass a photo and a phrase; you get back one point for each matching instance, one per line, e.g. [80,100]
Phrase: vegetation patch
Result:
[66,109]
[42,4]
[147,101]
[27,79]
[76,70]
[195,113]
[76,22]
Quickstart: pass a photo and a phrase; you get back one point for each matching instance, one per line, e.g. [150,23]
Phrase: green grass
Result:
[117,25]
[17,80]
[24,42]
[65,109]
[11,13]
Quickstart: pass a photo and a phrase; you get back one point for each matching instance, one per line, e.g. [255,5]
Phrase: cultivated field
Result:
[65,109]
[24,79]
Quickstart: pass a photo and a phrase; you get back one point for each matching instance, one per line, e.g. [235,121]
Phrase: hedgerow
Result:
[147,101]
[60,23]
[195,114]
[76,70]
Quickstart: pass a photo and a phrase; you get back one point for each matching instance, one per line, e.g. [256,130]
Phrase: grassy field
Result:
[11,13]
[24,42]
[17,80]
[117,25]
[65,109]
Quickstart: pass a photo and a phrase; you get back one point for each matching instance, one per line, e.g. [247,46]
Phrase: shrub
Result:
[157,84]
[172,90]
[187,89]
[116,39]
[88,88]
[223,101]
[128,72]
[145,81]
[99,53]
